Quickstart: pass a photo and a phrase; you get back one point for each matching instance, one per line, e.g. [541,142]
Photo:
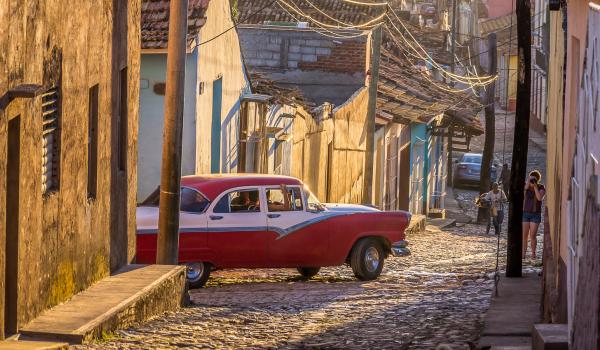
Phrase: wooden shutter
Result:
[51,141]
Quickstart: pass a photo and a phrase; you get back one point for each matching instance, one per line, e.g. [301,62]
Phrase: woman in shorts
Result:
[532,210]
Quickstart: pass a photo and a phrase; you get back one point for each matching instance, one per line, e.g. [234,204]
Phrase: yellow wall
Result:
[512,77]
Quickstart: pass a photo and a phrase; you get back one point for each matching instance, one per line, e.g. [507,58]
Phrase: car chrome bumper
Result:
[400,248]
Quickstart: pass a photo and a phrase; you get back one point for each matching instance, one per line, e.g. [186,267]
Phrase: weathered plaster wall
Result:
[220,58]
[554,165]
[67,240]
[153,69]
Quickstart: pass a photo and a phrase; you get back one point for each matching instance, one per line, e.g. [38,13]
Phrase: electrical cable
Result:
[234,25]
[459,78]
[368,24]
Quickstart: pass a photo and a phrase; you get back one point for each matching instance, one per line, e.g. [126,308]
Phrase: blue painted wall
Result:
[153,69]
[418,132]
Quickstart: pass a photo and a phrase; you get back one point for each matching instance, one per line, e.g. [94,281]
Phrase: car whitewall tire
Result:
[197,274]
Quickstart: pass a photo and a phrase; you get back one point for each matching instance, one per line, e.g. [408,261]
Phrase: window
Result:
[192,201]
[93,142]
[51,140]
[471,159]
[284,199]
[122,121]
[246,201]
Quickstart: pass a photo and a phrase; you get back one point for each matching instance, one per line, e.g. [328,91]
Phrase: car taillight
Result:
[462,166]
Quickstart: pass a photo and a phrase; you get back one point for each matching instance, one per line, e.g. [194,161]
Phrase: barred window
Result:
[51,141]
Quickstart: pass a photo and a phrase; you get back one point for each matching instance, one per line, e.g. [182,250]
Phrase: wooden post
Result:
[490,128]
[453,43]
[170,177]
[243,142]
[450,158]
[521,140]
[375,53]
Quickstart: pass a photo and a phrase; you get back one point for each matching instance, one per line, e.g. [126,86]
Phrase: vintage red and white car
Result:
[259,221]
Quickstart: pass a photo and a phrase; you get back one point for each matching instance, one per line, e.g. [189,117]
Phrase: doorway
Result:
[215,143]
[12,226]
[404,178]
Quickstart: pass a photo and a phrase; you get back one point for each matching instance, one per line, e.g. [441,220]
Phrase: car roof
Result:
[212,185]
[472,155]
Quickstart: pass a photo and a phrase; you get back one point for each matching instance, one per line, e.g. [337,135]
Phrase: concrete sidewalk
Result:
[512,314]
[134,294]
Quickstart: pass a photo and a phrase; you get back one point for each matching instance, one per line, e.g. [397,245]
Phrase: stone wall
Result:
[66,240]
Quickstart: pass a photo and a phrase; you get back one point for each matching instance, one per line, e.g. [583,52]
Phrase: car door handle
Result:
[273,216]
[215,217]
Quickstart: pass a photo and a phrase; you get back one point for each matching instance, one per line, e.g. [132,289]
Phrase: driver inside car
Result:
[278,206]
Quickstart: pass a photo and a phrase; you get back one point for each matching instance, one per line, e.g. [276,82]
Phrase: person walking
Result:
[504,178]
[495,199]
[532,211]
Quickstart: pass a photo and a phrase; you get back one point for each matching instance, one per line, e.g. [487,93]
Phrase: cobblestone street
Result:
[437,295]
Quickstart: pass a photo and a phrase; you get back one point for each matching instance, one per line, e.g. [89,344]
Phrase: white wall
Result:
[153,70]
[220,57]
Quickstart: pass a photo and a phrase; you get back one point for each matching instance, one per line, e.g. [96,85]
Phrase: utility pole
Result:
[170,176]
[452,67]
[521,139]
[490,127]
[453,43]
[375,54]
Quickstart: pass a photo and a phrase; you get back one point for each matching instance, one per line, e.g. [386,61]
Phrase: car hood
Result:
[349,208]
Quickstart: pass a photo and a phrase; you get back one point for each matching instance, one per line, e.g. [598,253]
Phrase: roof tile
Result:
[155,22]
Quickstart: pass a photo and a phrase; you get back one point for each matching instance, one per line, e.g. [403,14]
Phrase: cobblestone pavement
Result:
[437,295]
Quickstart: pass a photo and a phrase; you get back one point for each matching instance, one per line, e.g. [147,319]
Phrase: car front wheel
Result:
[197,274]
[308,272]
[366,259]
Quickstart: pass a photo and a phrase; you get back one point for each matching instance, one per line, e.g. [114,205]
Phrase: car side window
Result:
[244,201]
[192,201]
[290,200]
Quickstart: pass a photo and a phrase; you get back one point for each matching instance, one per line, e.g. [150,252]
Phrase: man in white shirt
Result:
[496,199]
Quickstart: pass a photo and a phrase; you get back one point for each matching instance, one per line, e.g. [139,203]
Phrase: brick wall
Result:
[323,68]
[289,49]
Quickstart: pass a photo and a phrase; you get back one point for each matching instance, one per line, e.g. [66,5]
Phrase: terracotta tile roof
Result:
[342,11]
[155,21]
[408,96]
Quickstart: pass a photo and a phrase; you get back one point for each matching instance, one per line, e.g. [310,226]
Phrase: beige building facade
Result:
[69,76]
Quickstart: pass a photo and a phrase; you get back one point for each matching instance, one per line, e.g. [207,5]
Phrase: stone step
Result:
[550,337]
[32,345]
[417,224]
[129,297]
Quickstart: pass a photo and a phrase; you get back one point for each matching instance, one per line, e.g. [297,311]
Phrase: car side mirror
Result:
[456,161]
[316,208]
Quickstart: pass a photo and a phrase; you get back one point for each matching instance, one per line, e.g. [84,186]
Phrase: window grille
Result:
[51,141]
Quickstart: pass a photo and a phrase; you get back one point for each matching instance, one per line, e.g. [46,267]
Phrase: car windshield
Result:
[471,159]
[312,201]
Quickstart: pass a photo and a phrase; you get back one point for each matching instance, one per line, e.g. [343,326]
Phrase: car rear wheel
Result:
[366,259]
[197,274]
[308,272]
